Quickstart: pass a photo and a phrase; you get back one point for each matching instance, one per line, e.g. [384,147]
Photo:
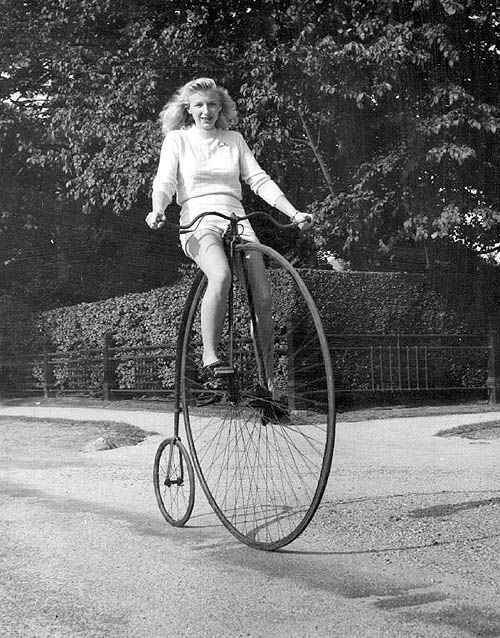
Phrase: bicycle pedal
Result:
[223,371]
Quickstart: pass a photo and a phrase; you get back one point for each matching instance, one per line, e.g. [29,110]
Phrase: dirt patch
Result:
[65,433]
[487,430]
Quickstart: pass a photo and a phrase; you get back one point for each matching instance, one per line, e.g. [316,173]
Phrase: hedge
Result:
[349,303]
[385,303]
[355,303]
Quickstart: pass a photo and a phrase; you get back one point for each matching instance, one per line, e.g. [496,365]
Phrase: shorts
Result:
[218,226]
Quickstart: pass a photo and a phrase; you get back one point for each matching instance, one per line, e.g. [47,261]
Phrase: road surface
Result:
[406,542]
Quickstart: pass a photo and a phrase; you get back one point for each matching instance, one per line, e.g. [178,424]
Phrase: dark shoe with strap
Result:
[212,388]
[274,412]
[209,396]
[271,411]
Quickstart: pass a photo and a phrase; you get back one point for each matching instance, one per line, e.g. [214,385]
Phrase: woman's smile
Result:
[205,108]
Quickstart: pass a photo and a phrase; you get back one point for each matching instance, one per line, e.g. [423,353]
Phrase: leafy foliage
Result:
[377,116]
[391,102]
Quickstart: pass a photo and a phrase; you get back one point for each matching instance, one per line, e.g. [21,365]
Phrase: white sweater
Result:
[204,168]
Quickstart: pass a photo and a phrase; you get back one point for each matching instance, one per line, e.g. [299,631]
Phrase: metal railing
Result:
[410,362]
[372,363]
[102,371]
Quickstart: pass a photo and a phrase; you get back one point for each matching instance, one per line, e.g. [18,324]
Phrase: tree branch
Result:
[317,153]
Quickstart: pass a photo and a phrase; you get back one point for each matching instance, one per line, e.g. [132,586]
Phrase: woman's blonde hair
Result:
[175,115]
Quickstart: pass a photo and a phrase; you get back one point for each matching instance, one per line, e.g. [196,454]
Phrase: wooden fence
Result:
[362,363]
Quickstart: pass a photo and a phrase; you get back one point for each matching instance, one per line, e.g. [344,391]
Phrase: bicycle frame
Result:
[262,464]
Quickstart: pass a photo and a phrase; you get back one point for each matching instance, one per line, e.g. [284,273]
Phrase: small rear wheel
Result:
[173,479]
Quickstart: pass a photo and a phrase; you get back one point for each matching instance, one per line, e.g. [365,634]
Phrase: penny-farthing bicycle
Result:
[261,434]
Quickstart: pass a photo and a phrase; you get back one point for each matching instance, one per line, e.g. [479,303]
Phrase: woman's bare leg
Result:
[206,249]
[262,299]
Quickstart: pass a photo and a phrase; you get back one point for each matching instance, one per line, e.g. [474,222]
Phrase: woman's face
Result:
[205,107]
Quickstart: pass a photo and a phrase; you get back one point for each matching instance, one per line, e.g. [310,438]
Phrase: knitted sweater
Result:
[204,168]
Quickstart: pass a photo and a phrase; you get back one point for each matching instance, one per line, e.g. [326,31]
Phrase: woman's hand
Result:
[302,220]
[155,220]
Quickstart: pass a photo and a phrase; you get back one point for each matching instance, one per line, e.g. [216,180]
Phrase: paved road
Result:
[406,542]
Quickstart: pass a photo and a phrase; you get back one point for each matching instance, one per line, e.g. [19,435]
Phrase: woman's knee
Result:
[219,279]
[262,295]
[261,290]
[259,282]
[207,250]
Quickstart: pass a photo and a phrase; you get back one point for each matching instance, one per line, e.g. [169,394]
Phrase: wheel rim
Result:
[263,461]
[173,478]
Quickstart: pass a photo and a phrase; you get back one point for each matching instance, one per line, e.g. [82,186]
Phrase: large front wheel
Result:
[263,447]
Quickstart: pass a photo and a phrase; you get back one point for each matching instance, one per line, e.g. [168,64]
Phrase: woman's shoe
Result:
[270,410]
[212,387]
[275,413]
[219,369]
[209,396]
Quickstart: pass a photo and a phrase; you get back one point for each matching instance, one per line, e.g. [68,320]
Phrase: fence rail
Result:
[389,363]
[411,363]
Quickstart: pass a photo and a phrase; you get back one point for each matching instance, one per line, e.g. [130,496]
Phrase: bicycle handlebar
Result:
[186,227]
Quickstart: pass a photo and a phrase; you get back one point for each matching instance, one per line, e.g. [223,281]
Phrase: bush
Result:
[384,303]
[358,303]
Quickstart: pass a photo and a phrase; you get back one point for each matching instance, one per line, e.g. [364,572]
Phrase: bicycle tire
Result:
[173,479]
[264,478]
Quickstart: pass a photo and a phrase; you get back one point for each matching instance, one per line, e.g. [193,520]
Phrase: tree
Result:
[79,141]
[390,101]
[374,114]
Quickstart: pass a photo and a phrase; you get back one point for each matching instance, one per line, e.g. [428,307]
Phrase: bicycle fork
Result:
[174,476]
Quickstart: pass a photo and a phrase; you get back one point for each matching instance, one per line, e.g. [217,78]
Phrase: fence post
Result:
[108,367]
[46,374]
[2,380]
[493,380]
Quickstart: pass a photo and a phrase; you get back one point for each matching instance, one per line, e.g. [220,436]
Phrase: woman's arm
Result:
[263,186]
[160,201]
[303,220]
[255,176]
[165,181]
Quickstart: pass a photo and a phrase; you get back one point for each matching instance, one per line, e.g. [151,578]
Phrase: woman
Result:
[202,161]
